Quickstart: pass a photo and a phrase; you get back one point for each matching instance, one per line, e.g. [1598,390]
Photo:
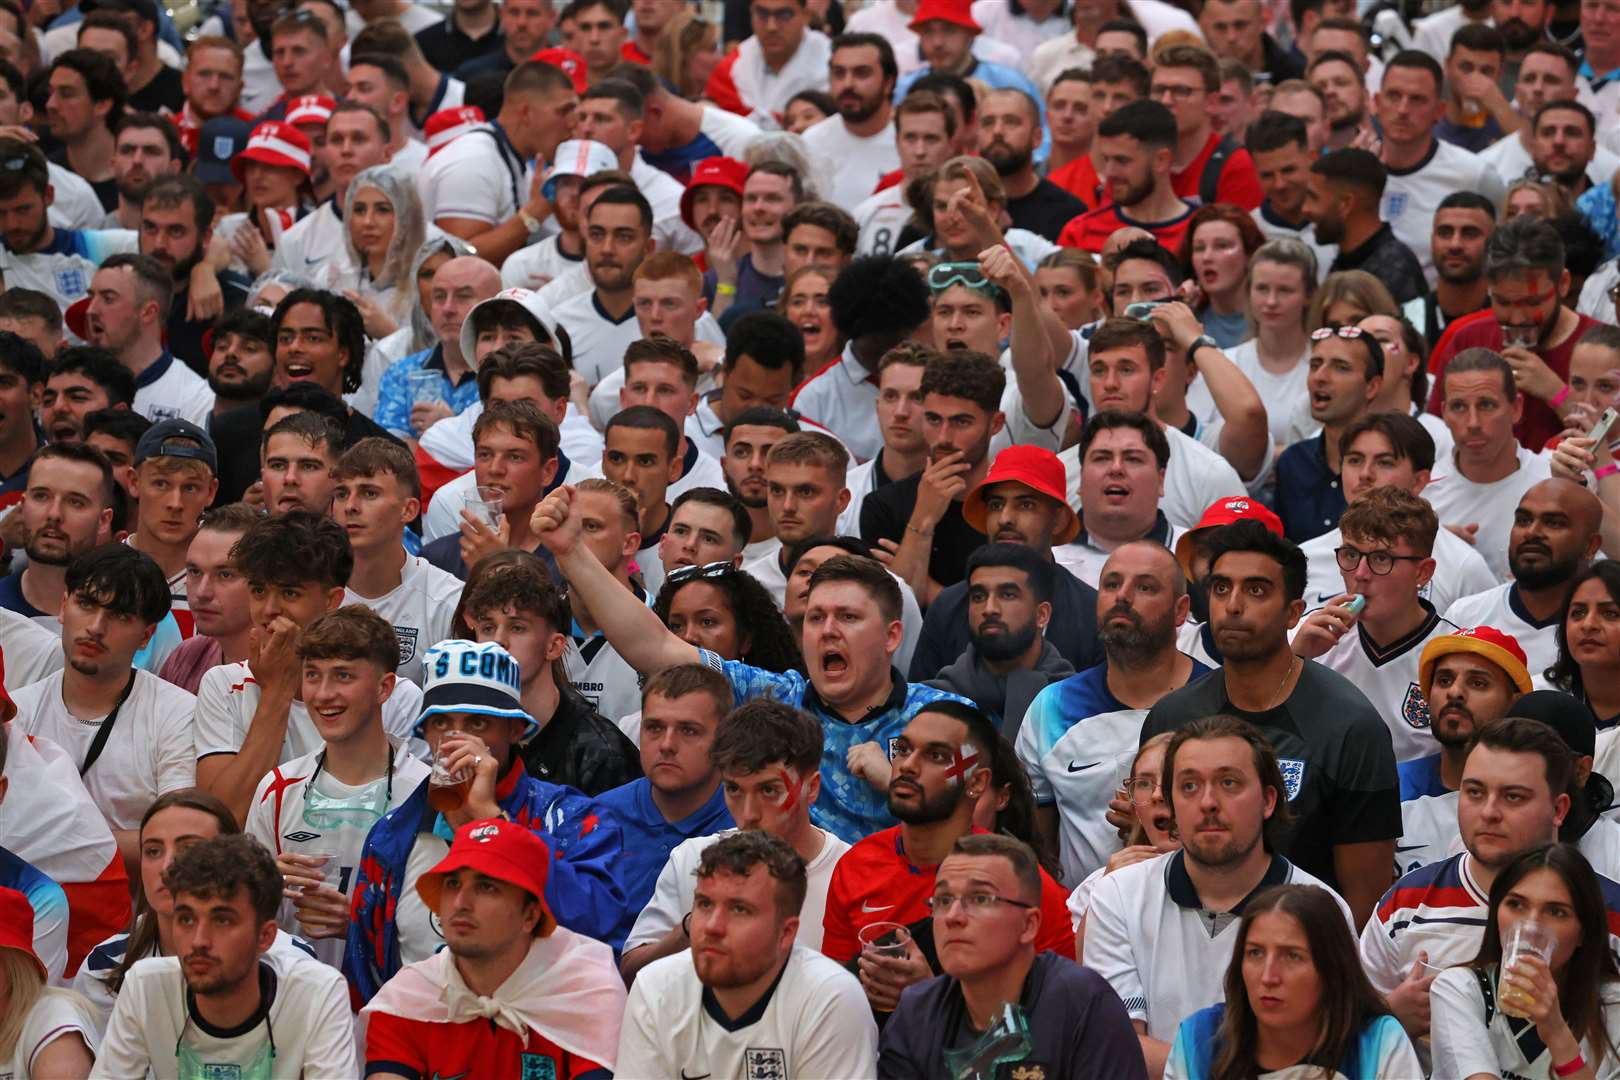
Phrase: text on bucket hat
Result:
[1486,642]
[461,676]
[503,850]
[1037,469]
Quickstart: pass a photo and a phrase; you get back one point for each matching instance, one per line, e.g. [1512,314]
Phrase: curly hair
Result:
[878,296]
[767,640]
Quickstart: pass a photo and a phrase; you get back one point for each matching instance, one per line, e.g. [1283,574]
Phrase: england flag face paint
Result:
[966,763]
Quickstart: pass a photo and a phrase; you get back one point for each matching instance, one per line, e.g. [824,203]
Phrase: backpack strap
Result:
[1209,181]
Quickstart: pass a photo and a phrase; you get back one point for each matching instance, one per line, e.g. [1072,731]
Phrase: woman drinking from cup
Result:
[1297,1002]
[1541,999]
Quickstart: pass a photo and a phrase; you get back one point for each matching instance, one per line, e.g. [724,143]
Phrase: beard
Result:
[1518,34]
[1551,573]
[46,557]
[1348,121]
[1007,645]
[1217,853]
[858,110]
[752,504]
[1131,193]
[1330,230]
[1445,736]
[247,390]
[1466,276]
[1006,160]
[931,809]
[1138,641]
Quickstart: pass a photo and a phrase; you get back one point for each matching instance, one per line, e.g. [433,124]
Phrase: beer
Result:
[447,791]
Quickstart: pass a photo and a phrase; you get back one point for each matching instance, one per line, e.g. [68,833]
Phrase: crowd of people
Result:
[810,538]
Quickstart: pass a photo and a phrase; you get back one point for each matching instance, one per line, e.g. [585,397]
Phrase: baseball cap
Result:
[725,172]
[274,142]
[578,157]
[468,677]
[178,438]
[447,125]
[219,141]
[503,850]
[17,927]
[956,12]
[1577,727]
[1226,511]
[1037,469]
[310,109]
[1486,642]
[525,300]
[571,63]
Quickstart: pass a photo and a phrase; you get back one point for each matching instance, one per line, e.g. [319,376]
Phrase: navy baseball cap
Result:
[178,438]
[220,140]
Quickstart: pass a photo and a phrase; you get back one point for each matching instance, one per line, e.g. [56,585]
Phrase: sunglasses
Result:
[1351,332]
[707,570]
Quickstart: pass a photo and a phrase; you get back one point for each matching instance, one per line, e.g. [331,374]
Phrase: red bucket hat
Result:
[1037,469]
[503,850]
[725,172]
[1226,511]
[310,109]
[274,142]
[446,125]
[956,12]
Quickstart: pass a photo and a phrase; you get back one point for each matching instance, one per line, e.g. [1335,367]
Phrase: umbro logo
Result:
[301,836]
[1076,767]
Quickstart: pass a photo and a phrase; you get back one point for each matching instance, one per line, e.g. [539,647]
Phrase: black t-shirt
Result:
[1045,210]
[886,510]
[186,335]
[1078,1028]
[446,47]
[1337,759]
[164,93]
[1384,257]
[1072,630]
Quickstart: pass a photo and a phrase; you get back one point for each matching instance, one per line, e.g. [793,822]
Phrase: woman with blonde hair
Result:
[803,302]
[44,1031]
[1347,297]
[382,229]
[685,53]
[1544,201]
[1070,283]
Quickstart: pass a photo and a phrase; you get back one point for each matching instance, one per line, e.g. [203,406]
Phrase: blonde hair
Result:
[1351,286]
[683,36]
[26,986]
[629,505]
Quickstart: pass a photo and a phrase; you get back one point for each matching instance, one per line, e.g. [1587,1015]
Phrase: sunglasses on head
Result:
[1351,332]
[706,570]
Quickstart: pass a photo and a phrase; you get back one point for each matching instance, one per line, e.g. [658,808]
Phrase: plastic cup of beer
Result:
[486,505]
[325,865]
[447,790]
[885,939]
[1528,938]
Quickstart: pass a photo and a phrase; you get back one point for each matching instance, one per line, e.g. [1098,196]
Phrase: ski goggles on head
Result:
[966,274]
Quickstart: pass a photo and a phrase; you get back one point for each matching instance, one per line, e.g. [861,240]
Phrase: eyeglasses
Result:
[707,570]
[978,903]
[1351,332]
[1180,93]
[1379,562]
[1142,787]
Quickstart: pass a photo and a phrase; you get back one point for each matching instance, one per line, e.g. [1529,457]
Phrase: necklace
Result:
[1276,697]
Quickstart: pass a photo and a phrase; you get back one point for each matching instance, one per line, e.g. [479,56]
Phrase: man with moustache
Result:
[1008,660]
[1547,74]
[1076,731]
[1564,145]
[1555,535]
[1337,77]
[940,768]
[1463,223]
[859,137]
[1469,679]
[242,361]
[176,225]
[1342,201]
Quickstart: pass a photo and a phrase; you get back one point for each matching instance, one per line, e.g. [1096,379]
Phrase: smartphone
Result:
[1143,309]
[1357,602]
[1600,430]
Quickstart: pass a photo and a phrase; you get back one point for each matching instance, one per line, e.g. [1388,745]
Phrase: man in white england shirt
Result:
[856,146]
[376,494]
[611,113]
[128,730]
[251,716]
[768,755]
[479,187]
[130,297]
[924,127]
[782,57]
[1546,74]
[381,81]
[1476,490]
[1556,532]
[601,323]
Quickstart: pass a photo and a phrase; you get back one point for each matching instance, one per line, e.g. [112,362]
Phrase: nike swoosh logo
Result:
[869,909]
[311,262]
[1082,768]
[1410,847]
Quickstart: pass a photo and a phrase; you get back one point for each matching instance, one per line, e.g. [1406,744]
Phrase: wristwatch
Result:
[1202,341]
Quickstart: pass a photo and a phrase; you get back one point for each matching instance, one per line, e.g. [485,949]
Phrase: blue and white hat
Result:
[466,677]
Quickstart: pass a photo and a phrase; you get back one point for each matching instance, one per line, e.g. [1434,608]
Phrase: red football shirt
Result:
[1079,178]
[1539,422]
[472,1048]
[1239,183]
[876,882]
[1090,231]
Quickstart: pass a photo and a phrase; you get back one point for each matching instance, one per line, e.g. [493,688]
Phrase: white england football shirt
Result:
[1388,675]
[1460,501]
[1412,196]
[671,898]
[851,165]
[74,204]
[31,651]
[1288,412]
[882,217]
[663,193]
[814,1022]
[63,268]
[1195,477]
[283,817]
[1459,570]
[599,339]
[473,177]
[168,389]
[420,608]
[1511,160]
[1500,608]
[603,678]
[229,693]
[1463,1044]
[149,751]
[524,268]
[312,243]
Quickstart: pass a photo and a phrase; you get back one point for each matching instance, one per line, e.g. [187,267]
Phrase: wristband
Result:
[722,289]
[530,222]
[1606,470]
[920,532]
[1559,398]
[1571,1067]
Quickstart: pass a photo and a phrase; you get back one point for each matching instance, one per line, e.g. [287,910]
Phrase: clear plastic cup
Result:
[1518,337]
[1528,938]
[884,939]
[487,505]
[327,867]
[426,387]
[447,790]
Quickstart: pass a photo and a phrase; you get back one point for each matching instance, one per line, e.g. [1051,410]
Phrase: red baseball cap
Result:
[17,927]
[572,64]
[503,850]
[1227,511]
[1037,469]
[1486,642]
[956,12]
[725,172]
[446,125]
[274,142]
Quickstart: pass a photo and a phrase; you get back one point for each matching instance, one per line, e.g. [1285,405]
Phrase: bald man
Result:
[1556,532]
[458,286]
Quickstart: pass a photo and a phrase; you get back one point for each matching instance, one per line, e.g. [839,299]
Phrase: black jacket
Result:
[581,748]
